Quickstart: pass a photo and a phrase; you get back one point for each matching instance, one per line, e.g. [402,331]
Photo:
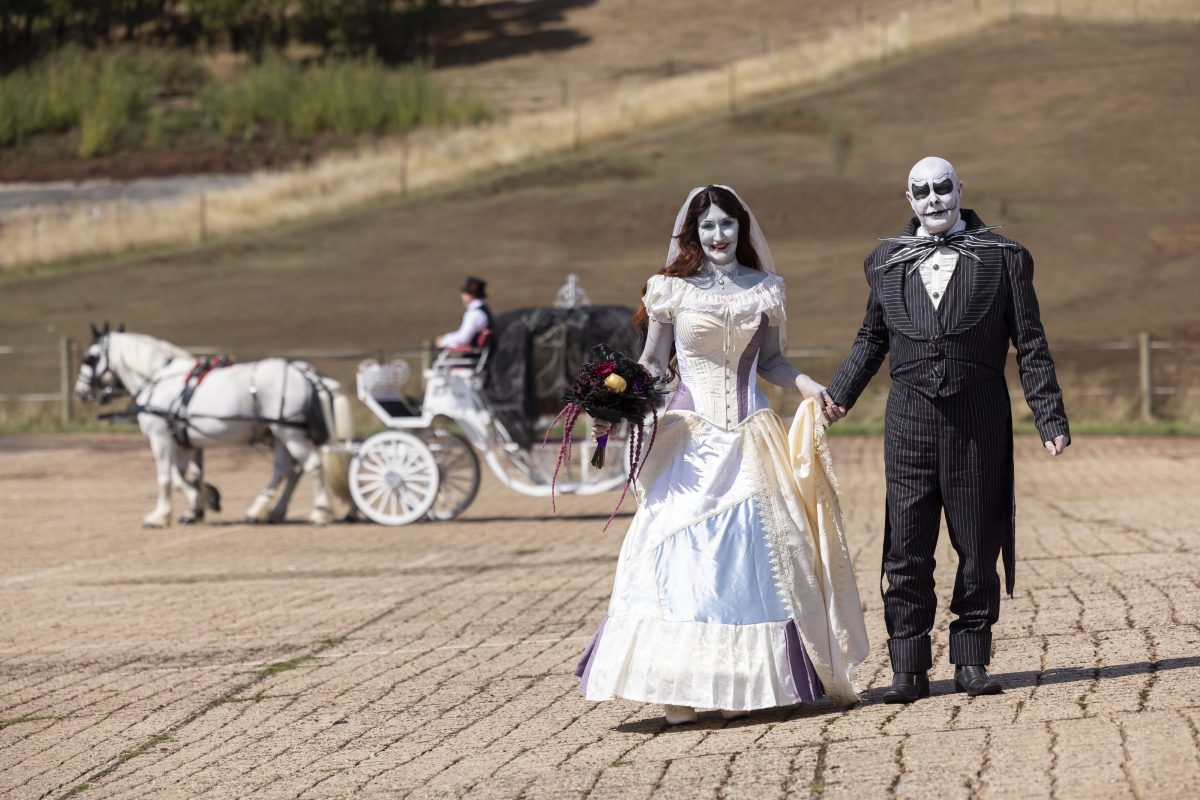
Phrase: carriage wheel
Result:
[394,478]
[458,468]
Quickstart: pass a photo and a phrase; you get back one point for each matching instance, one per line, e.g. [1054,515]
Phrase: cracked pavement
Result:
[227,660]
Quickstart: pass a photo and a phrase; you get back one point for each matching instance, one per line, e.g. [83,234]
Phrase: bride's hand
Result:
[600,427]
[810,388]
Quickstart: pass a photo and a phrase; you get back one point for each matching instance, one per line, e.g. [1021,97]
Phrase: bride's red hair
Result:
[691,256]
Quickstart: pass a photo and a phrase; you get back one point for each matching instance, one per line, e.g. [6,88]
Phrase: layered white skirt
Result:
[734,587]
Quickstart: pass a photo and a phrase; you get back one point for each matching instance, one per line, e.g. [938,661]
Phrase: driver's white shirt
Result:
[473,322]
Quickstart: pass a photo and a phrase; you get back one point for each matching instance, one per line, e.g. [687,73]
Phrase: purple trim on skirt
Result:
[802,679]
[681,399]
[583,669]
[746,364]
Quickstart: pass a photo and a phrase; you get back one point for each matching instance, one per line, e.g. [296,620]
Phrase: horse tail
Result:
[331,426]
[327,414]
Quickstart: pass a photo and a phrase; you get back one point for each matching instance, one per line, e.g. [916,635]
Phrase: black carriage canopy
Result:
[535,354]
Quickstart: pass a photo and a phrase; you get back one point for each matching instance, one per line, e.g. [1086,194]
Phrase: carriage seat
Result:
[397,407]
[471,356]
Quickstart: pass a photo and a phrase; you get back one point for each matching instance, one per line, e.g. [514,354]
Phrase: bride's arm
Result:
[774,366]
[657,352]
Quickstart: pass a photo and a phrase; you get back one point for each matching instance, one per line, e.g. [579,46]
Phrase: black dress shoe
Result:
[974,680]
[907,687]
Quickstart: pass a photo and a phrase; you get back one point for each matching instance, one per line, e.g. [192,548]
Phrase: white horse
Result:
[274,399]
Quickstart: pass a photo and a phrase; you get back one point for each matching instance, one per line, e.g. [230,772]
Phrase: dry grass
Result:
[337,182]
[1047,124]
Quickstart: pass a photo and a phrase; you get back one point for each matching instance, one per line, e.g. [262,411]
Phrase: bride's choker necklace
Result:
[720,273]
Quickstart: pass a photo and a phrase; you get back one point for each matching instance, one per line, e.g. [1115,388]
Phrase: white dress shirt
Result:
[938,268]
[473,322]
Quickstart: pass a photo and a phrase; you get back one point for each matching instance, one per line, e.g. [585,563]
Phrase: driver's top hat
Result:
[475,287]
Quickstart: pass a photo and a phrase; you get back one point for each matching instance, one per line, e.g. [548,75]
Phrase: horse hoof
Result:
[151,523]
[212,497]
[320,516]
[256,516]
[191,518]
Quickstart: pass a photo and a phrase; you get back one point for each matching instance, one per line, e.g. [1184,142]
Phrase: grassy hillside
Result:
[1082,140]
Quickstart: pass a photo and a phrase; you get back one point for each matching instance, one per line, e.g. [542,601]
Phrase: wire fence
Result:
[1144,379]
[430,159]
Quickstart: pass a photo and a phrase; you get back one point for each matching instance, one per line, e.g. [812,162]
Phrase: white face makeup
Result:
[935,193]
[718,236]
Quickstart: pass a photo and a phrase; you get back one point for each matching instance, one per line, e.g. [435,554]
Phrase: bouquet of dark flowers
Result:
[613,387]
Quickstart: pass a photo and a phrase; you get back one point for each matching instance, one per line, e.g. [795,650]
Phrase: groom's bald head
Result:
[934,192]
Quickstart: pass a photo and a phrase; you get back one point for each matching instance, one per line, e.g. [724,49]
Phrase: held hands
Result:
[810,388]
[1057,445]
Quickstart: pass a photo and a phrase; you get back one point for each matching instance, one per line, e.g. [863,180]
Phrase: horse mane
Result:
[141,354]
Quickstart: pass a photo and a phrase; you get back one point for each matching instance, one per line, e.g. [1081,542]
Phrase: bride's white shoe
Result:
[734,714]
[677,715]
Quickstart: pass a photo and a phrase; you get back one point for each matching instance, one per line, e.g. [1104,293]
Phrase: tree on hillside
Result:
[249,26]
[394,30]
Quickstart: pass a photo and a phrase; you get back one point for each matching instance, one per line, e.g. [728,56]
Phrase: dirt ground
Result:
[534,54]
[1072,136]
[226,660]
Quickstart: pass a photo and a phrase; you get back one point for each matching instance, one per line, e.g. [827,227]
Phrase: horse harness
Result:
[179,418]
[200,370]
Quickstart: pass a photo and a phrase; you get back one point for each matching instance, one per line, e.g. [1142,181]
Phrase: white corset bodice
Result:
[717,341]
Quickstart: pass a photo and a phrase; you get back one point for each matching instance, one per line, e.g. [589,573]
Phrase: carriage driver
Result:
[476,321]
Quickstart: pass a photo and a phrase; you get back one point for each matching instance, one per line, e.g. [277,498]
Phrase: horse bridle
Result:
[92,361]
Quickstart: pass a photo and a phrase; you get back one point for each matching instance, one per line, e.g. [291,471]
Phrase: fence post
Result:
[404,166]
[1145,377]
[203,216]
[65,346]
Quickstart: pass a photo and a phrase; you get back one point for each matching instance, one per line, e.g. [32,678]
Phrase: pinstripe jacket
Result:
[963,342]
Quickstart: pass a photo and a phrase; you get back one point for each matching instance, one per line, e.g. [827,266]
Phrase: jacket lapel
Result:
[891,293]
[985,280]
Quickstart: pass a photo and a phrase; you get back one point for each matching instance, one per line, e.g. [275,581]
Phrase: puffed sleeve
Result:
[660,305]
[777,300]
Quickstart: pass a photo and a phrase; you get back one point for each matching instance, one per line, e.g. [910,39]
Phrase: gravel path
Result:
[226,660]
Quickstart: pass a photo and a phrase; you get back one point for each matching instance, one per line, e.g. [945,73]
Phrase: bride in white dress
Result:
[734,588]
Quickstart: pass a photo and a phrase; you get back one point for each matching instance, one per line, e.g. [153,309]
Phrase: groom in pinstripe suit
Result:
[946,298]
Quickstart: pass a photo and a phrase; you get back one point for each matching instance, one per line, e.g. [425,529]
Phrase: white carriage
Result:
[427,464]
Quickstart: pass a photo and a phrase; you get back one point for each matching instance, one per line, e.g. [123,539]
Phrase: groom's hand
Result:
[1056,445]
[833,412]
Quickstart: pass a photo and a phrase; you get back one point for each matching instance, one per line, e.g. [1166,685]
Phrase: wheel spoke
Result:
[374,498]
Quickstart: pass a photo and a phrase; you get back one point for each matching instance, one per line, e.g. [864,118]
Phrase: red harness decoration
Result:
[203,366]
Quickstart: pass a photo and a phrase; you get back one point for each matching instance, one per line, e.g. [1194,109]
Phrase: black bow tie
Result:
[918,248]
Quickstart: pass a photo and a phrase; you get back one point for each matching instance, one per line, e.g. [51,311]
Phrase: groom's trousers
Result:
[953,454]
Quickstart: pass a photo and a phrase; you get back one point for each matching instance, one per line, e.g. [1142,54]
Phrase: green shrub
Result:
[102,94]
[349,97]
[116,100]
[110,97]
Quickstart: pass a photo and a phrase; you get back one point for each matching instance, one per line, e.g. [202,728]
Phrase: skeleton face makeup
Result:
[718,236]
[935,193]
